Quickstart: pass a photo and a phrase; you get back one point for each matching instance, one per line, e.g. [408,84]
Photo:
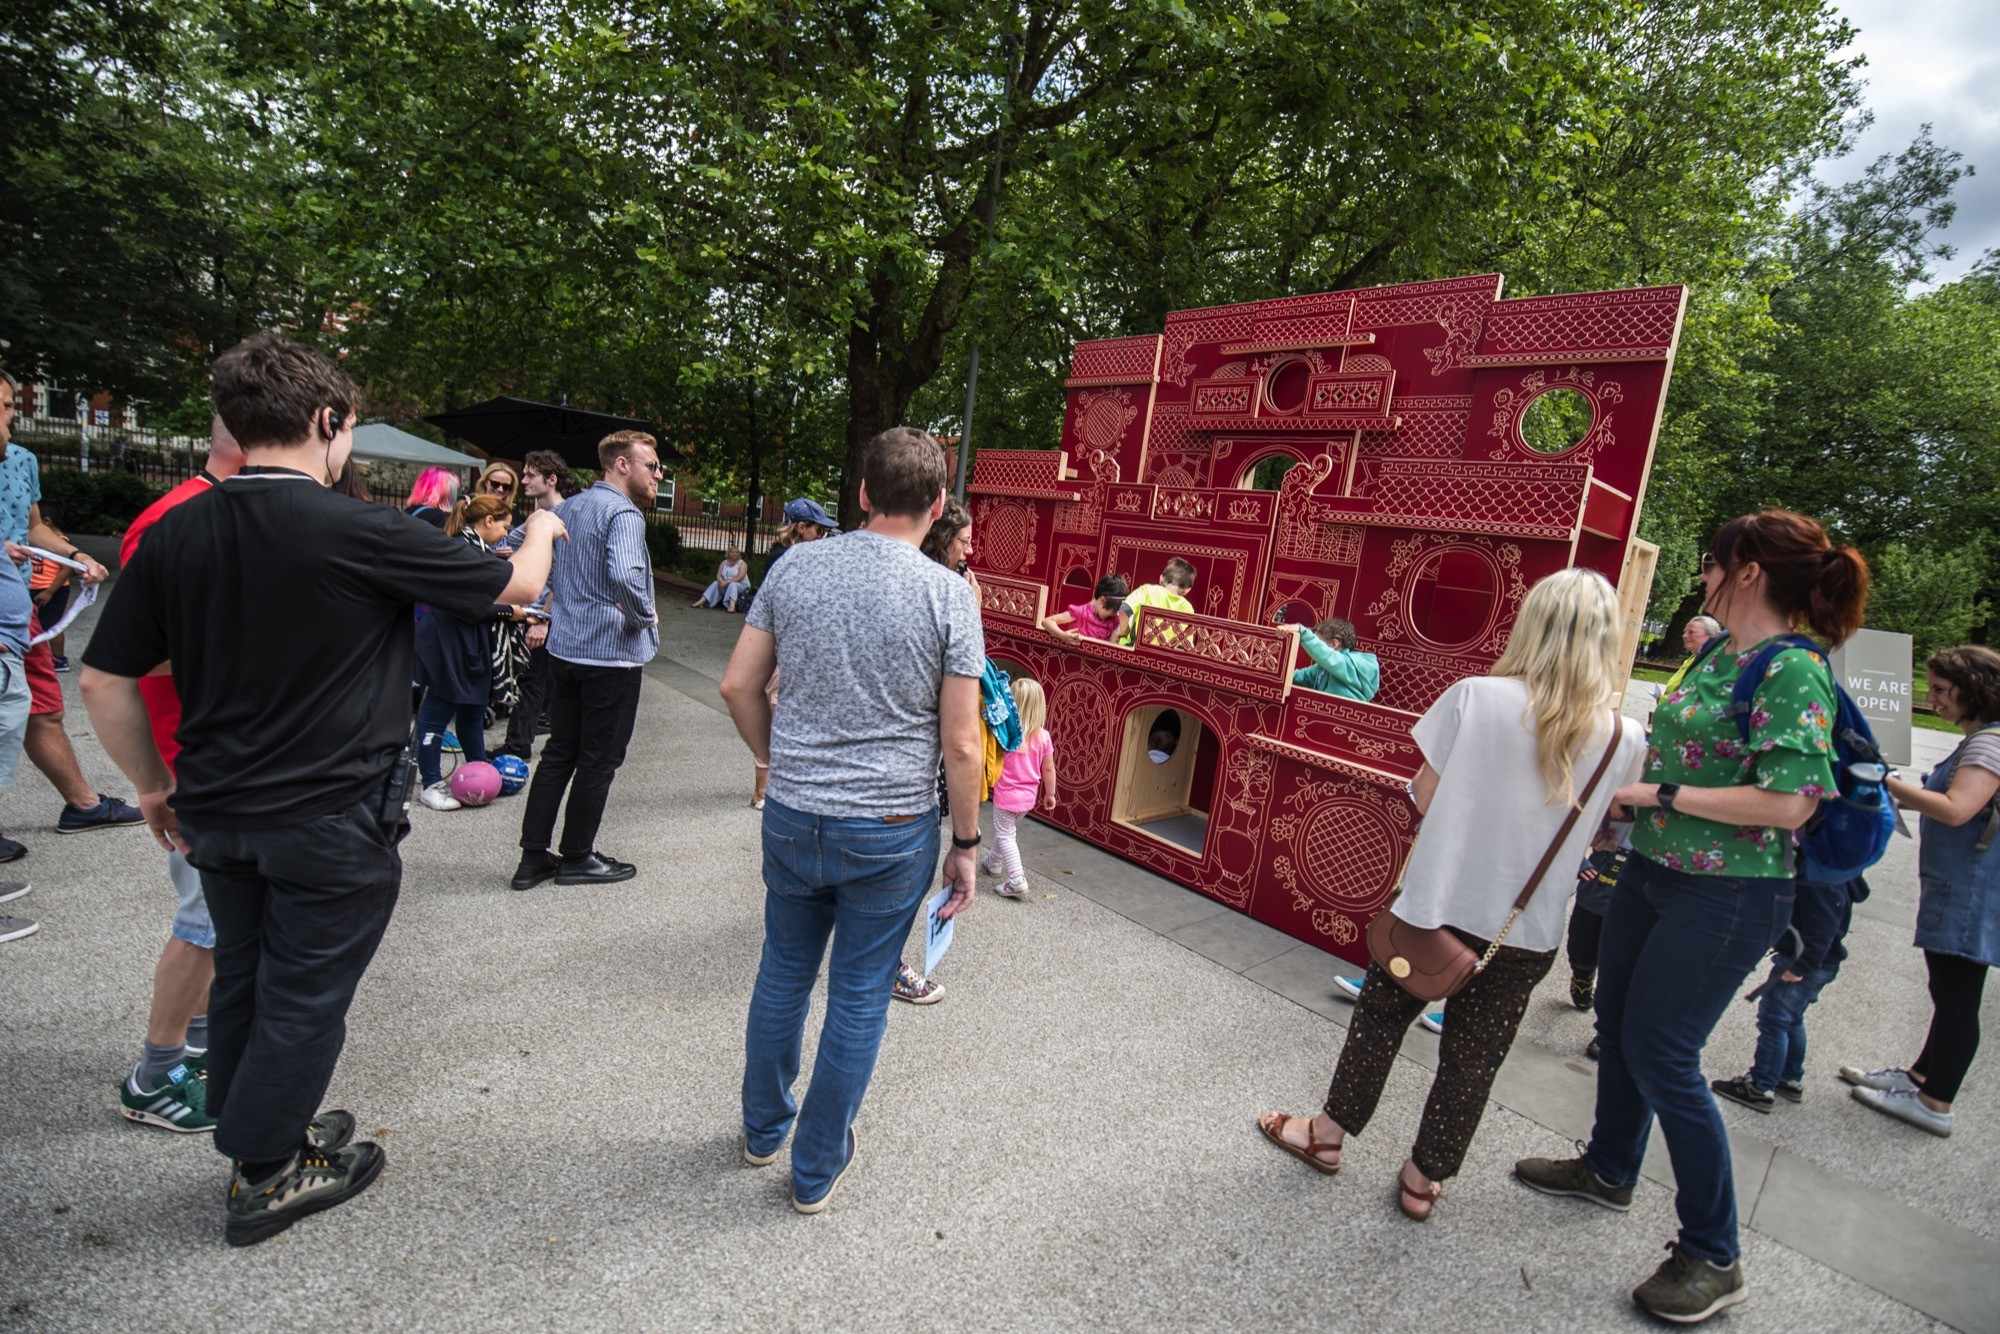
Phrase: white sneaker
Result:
[1905,1105]
[438,797]
[1347,988]
[1011,889]
[1433,1020]
[993,865]
[1889,1079]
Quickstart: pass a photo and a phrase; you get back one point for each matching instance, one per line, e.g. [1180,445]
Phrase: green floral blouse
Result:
[1696,744]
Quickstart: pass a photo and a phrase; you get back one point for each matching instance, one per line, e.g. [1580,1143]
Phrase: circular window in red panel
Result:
[1285,387]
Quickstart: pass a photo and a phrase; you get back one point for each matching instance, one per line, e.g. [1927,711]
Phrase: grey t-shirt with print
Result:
[867,629]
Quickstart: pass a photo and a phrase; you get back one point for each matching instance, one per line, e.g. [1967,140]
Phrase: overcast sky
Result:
[1936,61]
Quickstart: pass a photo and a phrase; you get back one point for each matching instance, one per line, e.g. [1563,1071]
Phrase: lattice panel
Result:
[1412,679]
[1023,472]
[1005,536]
[1640,323]
[1419,303]
[1225,398]
[1545,498]
[1350,395]
[1246,649]
[1011,599]
[1186,330]
[1187,506]
[1101,417]
[1123,359]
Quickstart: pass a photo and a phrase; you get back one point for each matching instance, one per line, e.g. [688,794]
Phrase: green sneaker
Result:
[312,1181]
[179,1105]
[1570,1176]
[1688,1290]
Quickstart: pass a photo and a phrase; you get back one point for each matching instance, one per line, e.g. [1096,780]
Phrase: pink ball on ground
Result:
[475,783]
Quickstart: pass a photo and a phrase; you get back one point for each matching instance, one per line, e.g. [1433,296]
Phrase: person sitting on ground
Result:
[1807,958]
[1176,582]
[732,581]
[1095,619]
[432,496]
[1507,759]
[1958,904]
[1339,668]
[454,660]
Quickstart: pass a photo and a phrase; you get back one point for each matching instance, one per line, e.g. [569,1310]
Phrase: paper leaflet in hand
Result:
[937,933]
[84,596]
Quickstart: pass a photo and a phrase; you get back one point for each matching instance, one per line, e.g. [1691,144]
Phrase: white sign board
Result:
[1876,668]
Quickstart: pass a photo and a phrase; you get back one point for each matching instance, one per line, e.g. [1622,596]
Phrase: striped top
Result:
[601,583]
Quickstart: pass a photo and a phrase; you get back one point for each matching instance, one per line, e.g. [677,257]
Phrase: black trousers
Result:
[1956,984]
[1586,929]
[534,686]
[591,713]
[298,912]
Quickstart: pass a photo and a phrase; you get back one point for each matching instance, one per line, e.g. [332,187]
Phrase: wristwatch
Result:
[1668,794]
[963,843]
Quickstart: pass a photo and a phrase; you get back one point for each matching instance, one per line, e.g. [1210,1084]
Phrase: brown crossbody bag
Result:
[1432,963]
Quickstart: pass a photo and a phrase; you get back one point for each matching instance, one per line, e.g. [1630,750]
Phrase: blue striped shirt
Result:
[601,583]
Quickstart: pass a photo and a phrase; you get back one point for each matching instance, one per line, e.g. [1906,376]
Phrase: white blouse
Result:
[1491,819]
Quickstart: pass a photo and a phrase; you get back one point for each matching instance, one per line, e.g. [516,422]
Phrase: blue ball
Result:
[513,774]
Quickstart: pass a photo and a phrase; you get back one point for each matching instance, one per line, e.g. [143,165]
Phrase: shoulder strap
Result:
[1569,820]
[1743,699]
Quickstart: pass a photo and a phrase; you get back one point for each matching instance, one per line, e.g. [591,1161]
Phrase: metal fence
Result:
[166,466]
[704,532]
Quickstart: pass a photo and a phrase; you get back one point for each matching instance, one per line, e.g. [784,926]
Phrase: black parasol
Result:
[510,427]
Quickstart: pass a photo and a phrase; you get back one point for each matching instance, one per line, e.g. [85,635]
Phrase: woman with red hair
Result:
[1709,887]
[431,499]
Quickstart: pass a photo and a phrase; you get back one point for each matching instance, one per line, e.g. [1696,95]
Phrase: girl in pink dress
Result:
[1024,774]
[1095,619]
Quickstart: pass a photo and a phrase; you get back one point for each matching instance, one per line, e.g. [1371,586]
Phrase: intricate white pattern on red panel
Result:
[1006,535]
[1388,615]
[1022,471]
[1189,506]
[1510,405]
[1641,322]
[1186,329]
[1176,633]
[1538,499]
[1102,416]
[1106,358]
[1321,597]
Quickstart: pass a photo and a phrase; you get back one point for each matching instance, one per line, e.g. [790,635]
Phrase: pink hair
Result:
[435,486]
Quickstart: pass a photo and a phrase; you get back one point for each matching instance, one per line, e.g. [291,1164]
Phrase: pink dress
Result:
[1086,622]
[1020,778]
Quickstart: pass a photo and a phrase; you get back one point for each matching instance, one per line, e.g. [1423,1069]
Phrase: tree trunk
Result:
[753,510]
[876,400]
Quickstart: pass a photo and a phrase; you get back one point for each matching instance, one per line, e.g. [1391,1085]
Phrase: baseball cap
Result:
[803,510]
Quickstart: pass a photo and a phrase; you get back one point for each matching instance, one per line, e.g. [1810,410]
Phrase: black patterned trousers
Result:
[1479,1027]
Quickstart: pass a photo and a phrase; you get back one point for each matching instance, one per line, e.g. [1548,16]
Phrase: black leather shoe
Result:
[595,869]
[536,868]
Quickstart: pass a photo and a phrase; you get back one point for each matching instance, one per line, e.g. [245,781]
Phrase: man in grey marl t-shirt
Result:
[867,628]
[881,651]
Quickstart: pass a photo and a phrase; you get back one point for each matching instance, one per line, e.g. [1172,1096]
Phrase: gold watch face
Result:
[1399,966]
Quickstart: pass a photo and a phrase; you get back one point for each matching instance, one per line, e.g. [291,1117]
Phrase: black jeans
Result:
[1956,985]
[298,912]
[533,683]
[591,711]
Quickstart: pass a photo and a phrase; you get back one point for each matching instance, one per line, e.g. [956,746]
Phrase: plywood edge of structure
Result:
[1635,590]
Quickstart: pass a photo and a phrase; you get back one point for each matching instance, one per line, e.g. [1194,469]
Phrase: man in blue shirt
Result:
[604,631]
[48,746]
[15,611]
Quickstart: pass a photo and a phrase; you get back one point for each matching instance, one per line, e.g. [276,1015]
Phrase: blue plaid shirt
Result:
[601,583]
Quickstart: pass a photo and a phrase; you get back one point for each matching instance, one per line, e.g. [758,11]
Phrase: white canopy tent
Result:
[378,440]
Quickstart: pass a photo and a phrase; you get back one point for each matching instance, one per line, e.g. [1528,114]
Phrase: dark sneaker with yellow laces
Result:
[1572,1176]
[312,1181]
[1688,1290]
[179,1105]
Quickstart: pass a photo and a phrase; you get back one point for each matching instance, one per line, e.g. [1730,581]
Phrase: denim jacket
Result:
[1958,902]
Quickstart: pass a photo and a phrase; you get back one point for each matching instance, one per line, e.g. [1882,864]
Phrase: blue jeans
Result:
[432,719]
[1675,949]
[859,882]
[1781,1025]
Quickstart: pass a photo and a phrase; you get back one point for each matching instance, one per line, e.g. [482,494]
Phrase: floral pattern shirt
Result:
[1697,744]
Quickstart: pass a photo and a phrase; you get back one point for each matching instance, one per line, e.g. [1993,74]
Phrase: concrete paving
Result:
[1067,1139]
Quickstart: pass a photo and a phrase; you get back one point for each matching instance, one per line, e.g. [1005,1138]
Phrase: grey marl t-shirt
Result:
[867,629]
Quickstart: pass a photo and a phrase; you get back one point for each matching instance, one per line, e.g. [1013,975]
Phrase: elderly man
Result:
[1694,638]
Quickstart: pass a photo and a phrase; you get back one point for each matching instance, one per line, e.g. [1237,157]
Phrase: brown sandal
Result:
[1309,1155]
[1415,1204]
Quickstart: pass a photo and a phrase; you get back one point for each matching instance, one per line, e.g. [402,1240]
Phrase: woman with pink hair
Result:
[431,499]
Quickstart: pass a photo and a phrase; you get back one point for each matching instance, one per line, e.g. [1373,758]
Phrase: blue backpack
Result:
[1851,830]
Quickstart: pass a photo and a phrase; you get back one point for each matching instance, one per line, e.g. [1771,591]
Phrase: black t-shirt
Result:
[284,608]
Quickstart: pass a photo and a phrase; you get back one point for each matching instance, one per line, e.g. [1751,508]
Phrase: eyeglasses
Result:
[1708,561]
[656,468]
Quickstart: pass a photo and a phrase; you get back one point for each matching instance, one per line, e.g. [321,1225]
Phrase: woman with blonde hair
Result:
[499,478]
[1507,758]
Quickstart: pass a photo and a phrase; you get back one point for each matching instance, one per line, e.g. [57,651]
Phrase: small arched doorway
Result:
[1167,765]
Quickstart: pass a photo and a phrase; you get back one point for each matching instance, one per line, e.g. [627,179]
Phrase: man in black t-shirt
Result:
[284,611]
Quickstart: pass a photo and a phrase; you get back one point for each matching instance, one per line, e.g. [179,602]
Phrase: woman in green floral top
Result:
[1709,887]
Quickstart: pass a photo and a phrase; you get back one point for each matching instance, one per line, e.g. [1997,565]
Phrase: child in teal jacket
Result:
[1338,667]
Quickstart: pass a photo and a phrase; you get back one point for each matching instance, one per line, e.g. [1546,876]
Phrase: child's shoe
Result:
[1011,889]
[438,797]
[1744,1093]
[993,865]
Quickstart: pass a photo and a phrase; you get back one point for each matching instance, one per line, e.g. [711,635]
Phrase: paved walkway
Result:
[1067,1139]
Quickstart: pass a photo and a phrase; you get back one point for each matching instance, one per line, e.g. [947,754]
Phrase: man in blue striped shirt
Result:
[603,631]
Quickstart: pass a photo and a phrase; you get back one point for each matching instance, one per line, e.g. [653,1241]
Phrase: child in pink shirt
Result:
[1023,774]
[1095,619]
